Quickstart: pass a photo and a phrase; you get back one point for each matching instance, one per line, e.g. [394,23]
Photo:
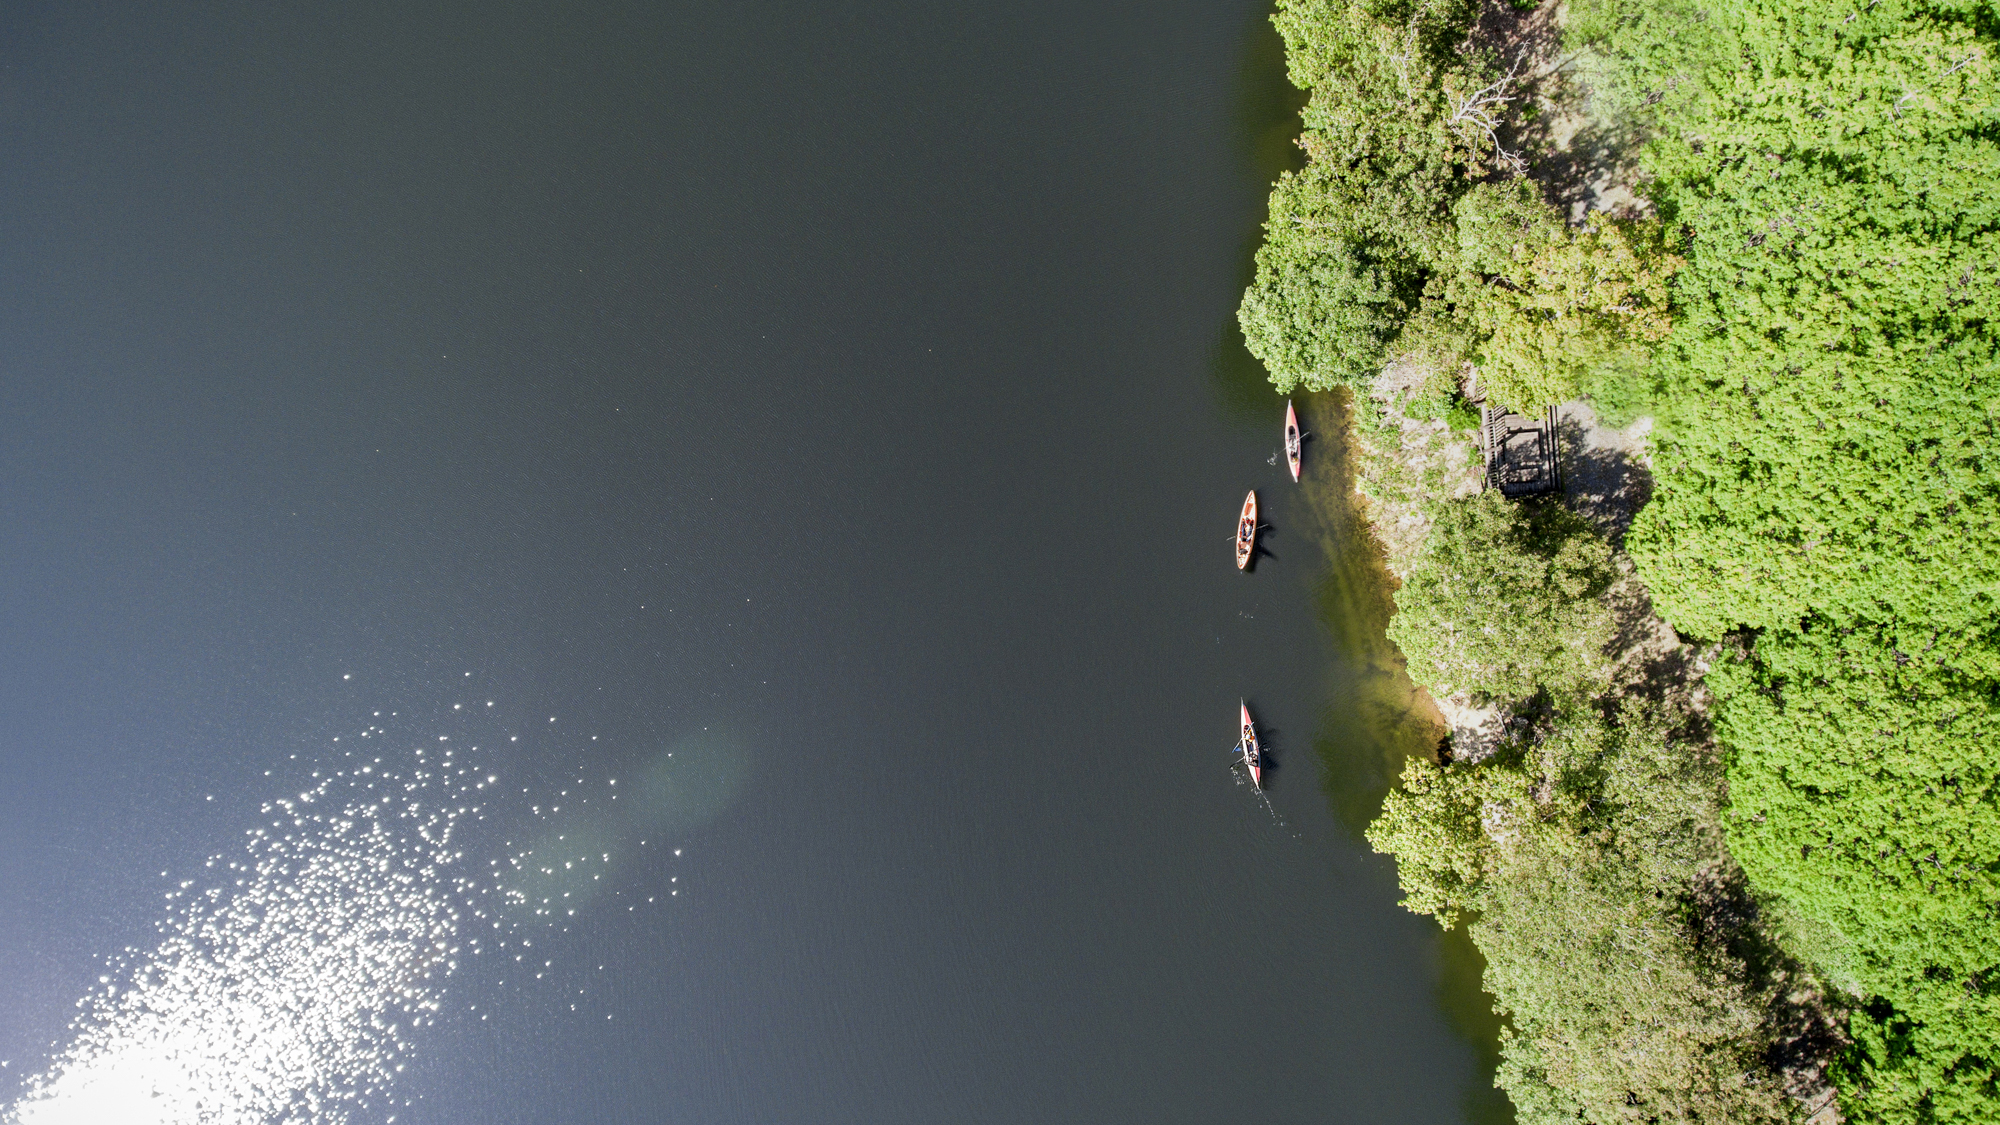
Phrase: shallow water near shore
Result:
[837,400]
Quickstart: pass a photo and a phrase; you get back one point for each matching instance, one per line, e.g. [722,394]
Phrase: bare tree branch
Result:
[1481,109]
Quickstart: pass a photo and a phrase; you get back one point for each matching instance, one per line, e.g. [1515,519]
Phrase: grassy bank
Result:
[1704,871]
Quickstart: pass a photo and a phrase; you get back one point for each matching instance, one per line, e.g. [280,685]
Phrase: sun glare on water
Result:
[288,977]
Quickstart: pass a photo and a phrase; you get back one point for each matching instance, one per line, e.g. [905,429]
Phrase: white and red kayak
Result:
[1292,443]
[1253,760]
[1246,531]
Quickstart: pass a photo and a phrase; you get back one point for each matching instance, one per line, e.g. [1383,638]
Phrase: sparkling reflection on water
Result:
[291,975]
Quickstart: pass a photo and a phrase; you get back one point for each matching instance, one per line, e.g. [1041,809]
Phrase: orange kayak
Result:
[1253,760]
[1292,442]
[1246,531]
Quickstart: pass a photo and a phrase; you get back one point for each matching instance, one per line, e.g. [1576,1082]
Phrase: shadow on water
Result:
[1268,105]
[1259,548]
[1269,754]
[1375,718]
[1267,122]
[1463,998]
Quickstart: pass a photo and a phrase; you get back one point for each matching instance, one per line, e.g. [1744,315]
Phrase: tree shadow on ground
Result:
[1582,156]
[1604,483]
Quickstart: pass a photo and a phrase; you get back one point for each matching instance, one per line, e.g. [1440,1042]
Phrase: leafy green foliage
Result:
[1829,477]
[1833,401]
[1503,601]
[1431,824]
[1456,412]
[1585,855]
[1580,852]
[1402,238]
[1327,300]
[1865,795]
[1828,488]
[1352,238]
[1555,305]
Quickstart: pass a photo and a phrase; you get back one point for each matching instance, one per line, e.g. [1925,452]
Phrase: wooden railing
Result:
[1521,454]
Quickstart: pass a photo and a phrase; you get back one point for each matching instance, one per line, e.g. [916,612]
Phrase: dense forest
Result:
[1700,885]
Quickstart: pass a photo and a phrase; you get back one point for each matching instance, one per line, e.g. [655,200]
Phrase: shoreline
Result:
[1391,475]
[1709,877]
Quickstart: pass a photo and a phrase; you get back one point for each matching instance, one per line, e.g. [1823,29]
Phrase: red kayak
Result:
[1252,759]
[1246,531]
[1292,439]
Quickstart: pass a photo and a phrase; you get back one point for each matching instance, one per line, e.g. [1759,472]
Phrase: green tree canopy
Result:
[1554,305]
[1503,601]
[1352,240]
[1585,855]
[1829,480]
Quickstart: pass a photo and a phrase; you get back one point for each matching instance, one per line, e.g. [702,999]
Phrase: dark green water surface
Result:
[854,386]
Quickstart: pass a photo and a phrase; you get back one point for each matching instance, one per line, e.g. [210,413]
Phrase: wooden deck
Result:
[1521,457]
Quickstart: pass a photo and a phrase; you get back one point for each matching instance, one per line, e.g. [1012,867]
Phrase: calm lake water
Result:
[846,395]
